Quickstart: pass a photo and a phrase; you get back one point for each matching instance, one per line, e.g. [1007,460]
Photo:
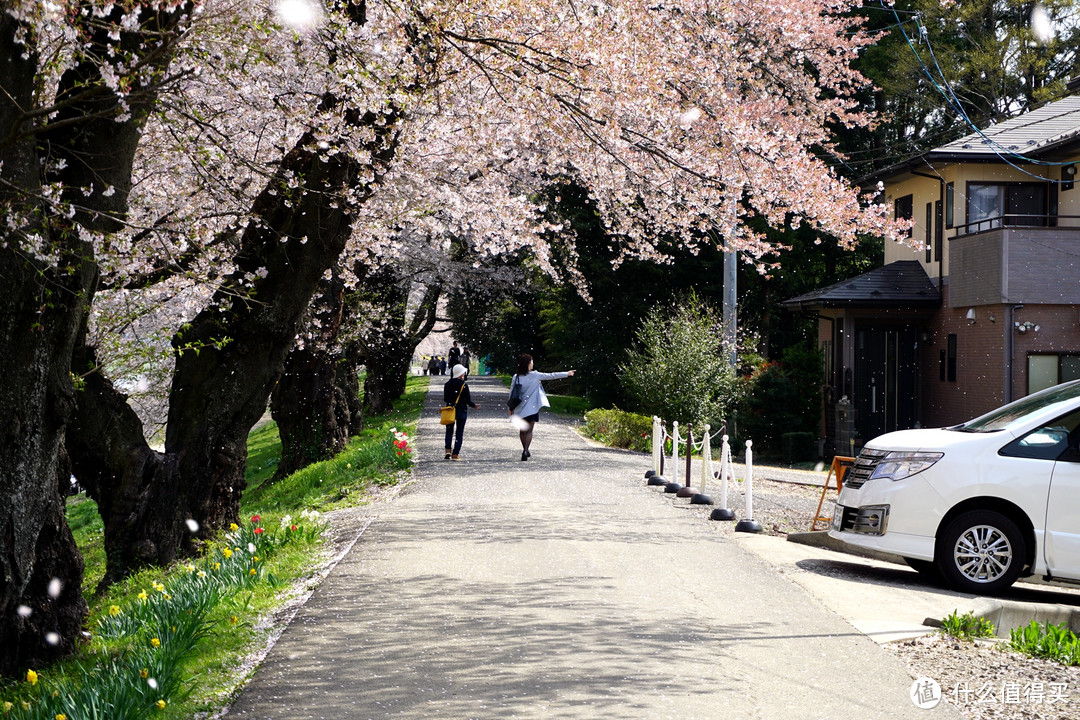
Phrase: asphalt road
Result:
[561,587]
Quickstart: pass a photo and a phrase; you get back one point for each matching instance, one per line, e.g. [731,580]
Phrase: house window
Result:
[991,205]
[950,369]
[1048,369]
[929,230]
[904,209]
[939,233]
[950,192]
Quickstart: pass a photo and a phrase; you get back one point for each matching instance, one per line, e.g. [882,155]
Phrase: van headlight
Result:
[900,465]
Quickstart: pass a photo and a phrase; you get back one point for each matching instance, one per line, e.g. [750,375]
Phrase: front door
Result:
[884,392]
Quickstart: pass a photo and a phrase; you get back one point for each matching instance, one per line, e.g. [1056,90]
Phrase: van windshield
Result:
[1005,416]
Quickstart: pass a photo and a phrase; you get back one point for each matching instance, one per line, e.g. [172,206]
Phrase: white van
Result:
[978,504]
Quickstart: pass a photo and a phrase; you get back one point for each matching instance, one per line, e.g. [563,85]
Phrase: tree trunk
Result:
[43,305]
[228,360]
[386,375]
[310,410]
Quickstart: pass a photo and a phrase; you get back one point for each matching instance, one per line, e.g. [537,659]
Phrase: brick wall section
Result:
[981,361]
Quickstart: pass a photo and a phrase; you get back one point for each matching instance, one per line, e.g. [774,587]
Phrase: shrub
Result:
[1053,642]
[618,428]
[678,368]
[967,626]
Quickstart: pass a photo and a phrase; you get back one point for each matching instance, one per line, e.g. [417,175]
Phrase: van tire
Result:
[980,552]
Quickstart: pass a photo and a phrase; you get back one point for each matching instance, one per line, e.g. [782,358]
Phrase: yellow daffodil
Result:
[234,619]
[160,704]
[61,716]
[8,706]
[25,705]
[155,642]
[255,559]
[233,526]
[143,596]
[201,574]
[159,587]
[173,628]
[217,566]
[114,610]
[251,571]
[144,673]
[31,677]
[227,553]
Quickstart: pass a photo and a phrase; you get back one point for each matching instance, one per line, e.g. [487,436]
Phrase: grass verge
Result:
[172,643]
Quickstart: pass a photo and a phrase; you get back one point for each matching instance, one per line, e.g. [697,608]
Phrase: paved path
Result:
[561,587]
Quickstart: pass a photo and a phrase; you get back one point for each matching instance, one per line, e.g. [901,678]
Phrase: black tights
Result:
[526,436]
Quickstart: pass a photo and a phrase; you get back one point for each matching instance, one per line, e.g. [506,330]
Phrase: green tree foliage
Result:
[678,368]
[987,52]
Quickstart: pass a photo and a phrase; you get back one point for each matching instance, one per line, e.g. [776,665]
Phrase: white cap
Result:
[458,371]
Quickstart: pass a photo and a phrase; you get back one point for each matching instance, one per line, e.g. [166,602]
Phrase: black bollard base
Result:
[649,474]
[656,480]
[701,499]
[673,487]
[748,525]
[722,514]
[686,492]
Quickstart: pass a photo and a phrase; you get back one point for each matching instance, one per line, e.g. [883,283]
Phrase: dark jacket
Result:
[450,394]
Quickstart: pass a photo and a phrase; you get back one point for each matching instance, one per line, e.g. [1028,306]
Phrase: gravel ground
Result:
[983,679]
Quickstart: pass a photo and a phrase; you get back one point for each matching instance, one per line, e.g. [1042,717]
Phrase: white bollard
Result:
[748,524]
[657,444]
[724,512]
[706,458]
[673,485]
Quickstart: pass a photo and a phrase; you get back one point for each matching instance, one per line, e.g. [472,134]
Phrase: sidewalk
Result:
[561,587]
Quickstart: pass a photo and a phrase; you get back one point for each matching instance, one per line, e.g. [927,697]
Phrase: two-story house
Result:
[988,310]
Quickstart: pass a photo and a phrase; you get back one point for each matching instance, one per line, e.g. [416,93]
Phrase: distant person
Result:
[466,359]
[442,365]
[453,356]
[433,365]
[526,414]
[456,393]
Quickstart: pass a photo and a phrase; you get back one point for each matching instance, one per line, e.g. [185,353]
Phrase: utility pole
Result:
[729,305]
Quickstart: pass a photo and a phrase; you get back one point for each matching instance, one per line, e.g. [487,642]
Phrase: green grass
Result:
[208,611]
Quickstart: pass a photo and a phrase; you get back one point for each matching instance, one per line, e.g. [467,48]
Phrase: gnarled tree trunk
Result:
[84,147]
[221,390]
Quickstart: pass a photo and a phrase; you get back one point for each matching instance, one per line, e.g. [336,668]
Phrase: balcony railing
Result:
[1018,220]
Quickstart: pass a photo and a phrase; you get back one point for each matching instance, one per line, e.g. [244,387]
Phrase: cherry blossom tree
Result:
[277,151]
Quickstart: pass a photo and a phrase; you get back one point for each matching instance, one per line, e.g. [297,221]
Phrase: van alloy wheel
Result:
[980,551]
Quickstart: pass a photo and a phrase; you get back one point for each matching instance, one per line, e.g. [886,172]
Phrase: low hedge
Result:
[618,428]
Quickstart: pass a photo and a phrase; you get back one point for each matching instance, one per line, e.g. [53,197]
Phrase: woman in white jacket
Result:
[532,395]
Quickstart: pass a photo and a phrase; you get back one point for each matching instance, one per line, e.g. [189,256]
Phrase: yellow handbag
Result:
[448,413]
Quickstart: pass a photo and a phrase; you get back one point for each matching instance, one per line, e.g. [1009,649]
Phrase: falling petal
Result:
[1041,28]
[688,118]
[152,683]
[24,611]
[299,15]
[192,525]
[55,588]
[52,638]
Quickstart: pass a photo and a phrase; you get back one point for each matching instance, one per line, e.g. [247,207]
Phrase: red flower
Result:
[293,528]
[258,531]
[255,518]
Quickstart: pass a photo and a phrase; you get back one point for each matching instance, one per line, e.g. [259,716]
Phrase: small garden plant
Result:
[967,626]
[1052,642]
